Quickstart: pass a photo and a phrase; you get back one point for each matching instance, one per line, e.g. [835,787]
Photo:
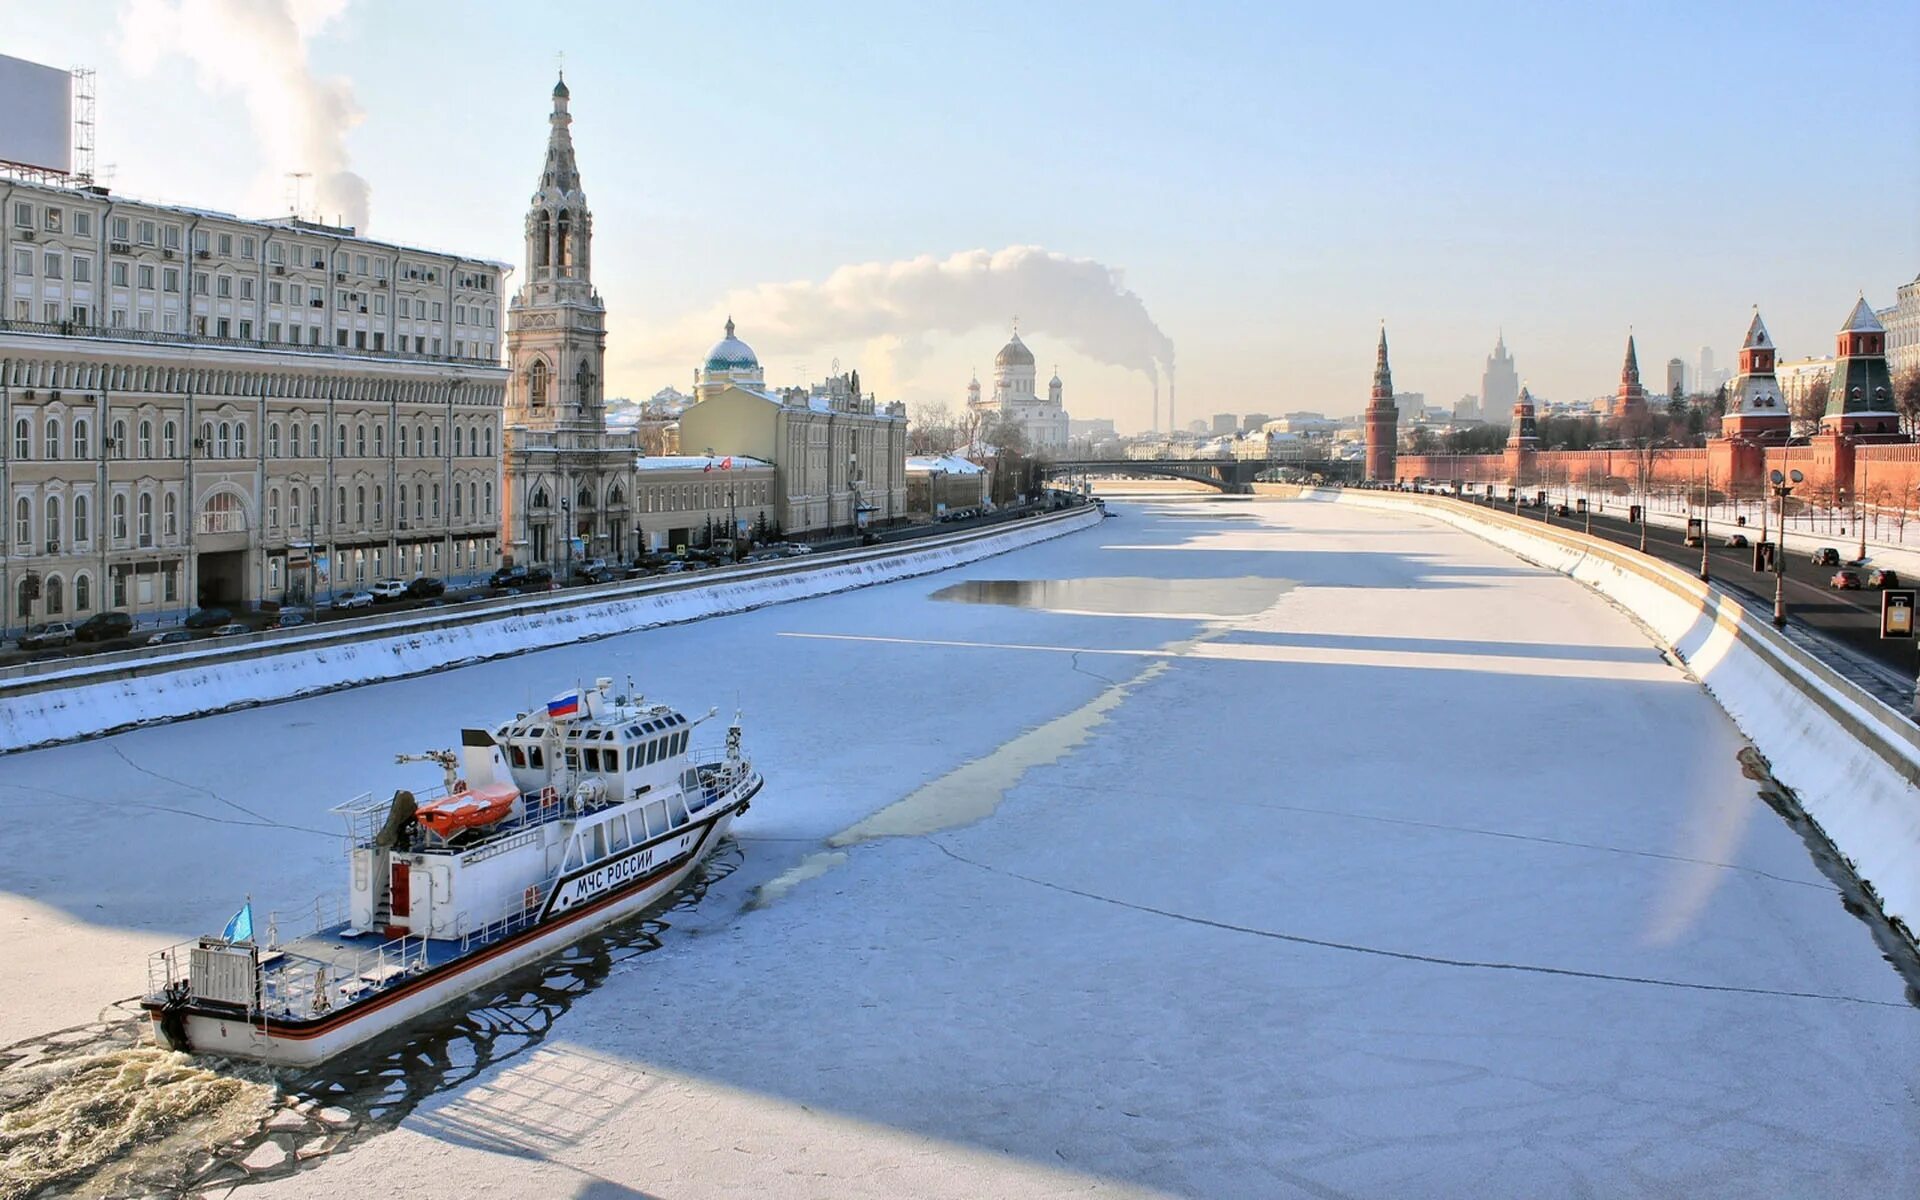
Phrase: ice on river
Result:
[1358,858]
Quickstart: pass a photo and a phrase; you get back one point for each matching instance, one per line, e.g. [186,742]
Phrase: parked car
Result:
[1884,577]
[387,589]
[167,637]
[426,588]
[1826,556]
[1736,541]
[49,636]
[507,577]
[207,618]
[230,629]
[290,617]
[536,579]
[104,627]
[355,599]
[1846,581]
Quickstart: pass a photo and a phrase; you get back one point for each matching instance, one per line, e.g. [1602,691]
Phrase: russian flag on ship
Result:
[566,704]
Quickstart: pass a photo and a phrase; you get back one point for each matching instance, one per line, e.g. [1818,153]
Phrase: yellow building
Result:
[839,460]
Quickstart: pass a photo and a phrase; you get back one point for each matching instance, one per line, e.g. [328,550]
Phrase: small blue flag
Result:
[240,929]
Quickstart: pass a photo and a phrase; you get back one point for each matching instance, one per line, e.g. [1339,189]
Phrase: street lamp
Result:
[1860,504]
[1706,513]
[1783,486]
[566,533]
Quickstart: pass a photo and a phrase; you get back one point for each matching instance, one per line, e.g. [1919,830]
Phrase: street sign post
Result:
[1896,613]
[1765,555]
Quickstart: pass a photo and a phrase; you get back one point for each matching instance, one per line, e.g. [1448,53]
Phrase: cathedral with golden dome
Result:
[1042,420]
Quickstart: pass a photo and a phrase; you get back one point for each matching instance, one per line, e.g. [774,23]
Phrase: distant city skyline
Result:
[1249,186]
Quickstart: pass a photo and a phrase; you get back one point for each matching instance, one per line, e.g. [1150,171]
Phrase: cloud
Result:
[258,48]
[891,307]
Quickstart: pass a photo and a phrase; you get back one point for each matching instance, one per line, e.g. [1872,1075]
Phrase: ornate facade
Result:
[1860,392]
[1756,409]
[203,410]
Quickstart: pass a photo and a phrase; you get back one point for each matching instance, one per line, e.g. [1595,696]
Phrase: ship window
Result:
[656,818]
[574,861]
[516,756]
[599,844]
[678,811]
[680,743]
[536,758]
[617,839]
[653,751]
[593,760]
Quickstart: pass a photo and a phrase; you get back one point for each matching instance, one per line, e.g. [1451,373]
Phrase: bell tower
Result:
[566,477]
[556,331]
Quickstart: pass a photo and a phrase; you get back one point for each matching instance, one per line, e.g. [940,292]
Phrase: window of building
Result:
[50,265]
[340,441]
[379,504]
[82,439]
[82,529]
[273,508]
[360,440]
[246,247]
[56,596]
[170,516]
[239,439]
[120,521]
[146,233]
[82,269]
[22,440]
[313,440]
[119,274]
[379,441]
[169,278]
[23,215]
[52,515]
[170,439]
[143,518]
[23,262]
[53,439]
[273,439]
[360,505]
[82,590]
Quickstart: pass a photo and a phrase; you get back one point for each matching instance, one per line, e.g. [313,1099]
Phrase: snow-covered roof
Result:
[1757,338]
[1862,320]
[694,462]
[952,464]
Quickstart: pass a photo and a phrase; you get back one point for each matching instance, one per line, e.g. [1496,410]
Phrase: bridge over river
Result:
[1226,474]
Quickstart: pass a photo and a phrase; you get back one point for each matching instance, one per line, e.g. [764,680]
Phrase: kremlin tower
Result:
[1756,410]
[1383,419]
[1630,402]
[1860,395]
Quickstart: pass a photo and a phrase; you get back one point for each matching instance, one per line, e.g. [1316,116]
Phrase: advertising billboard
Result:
[38,105]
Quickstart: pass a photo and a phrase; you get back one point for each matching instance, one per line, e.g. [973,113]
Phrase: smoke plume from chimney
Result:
[892,305]
[258,48]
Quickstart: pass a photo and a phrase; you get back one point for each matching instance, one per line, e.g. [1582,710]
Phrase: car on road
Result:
[357,599]
[1826,556]
[49,636]
[1736,541]
[104,627]
[231,628]
[387,589]
[167,637]
[207,618]
[291,617]
[1845,580]
[1884,577]
[426,588]
[507,577]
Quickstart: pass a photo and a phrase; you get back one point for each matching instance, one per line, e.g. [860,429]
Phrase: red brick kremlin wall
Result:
[1887,474]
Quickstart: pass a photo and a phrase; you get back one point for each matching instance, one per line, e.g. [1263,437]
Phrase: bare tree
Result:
[1808,408]
[931,429]
[1906,399]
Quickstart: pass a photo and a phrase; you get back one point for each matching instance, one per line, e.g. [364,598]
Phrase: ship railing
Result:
[324,914]
[719,775]
[364,815]
[518,913]
[300,986]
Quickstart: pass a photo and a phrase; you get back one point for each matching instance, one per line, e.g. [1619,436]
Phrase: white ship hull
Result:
[578,907]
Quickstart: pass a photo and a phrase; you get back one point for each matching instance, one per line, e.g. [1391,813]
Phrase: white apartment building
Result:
[198,409]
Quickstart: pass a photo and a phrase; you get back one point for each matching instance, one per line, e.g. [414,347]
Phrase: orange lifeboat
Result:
[473,808]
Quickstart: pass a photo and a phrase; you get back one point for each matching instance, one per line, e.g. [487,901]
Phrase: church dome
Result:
[731,354]
[1014,354]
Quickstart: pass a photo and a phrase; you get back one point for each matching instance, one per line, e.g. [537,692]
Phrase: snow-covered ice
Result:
[1421,873]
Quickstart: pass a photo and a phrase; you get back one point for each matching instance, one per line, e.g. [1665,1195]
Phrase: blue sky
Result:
[1272,180]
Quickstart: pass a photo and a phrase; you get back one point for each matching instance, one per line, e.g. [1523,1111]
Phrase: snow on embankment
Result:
[75,699]
[1853,762]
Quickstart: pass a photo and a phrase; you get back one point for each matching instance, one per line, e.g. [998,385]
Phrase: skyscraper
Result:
[1499,383]
[1676,378]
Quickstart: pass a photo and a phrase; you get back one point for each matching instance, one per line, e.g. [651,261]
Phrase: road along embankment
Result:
[1853,762]
[71,699]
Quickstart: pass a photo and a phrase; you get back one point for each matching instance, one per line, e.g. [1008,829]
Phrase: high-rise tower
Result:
[562,469]
[1499,383]
[1383,419]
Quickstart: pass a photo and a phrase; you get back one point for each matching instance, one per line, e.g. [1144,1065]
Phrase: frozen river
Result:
[1231,848]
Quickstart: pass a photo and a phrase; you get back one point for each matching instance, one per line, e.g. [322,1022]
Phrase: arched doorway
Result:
[220,537]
